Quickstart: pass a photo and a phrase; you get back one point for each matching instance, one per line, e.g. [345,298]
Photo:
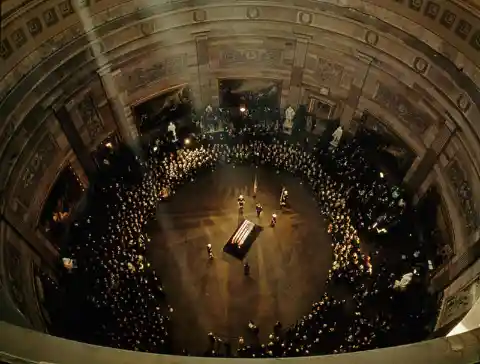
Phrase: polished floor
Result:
[289,263]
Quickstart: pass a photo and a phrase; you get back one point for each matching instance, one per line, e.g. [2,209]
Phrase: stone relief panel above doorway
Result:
[142,75]
[392,150]
[329,73]
[400,105]
[35,169]
[235,57]
[463,191]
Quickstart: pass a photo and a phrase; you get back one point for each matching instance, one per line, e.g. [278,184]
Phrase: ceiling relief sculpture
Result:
[53,17]
[432,9]
[253,12]
[66,43]
[50,17]
[199,15]
[400,106]
[475,41]
[34,26]
[19,38]
[463,103]
[391,143]
[371,38]
[415,4]
[66,8]
[458,303]
[267,57]
[35,170]
[464,193]
[6,49]
[305,18]
[420,65]
[449,17]
[142,76]
[329,72]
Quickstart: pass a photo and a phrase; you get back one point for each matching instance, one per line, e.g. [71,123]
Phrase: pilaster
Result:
[206,85]
[296,77]
[75,140]
[122,113]
[33,238]
[421,168]
[79,171]
[355,92]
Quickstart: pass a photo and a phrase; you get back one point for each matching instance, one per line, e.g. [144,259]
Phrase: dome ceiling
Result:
[413,63]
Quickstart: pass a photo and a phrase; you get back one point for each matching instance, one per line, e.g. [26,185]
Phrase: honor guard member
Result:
[253,328]
[246,269]
[273,221]
[284,198]
[241,201]
[210,251]
[259,209]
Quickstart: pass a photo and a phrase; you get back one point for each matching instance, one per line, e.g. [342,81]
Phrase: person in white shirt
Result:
[273,222]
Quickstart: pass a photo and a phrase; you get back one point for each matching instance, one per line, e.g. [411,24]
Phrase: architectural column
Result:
[351,104]
[77,168]
[296,77]
[122,113]
[422,167]
[205,96]
[75,140]
[33,238]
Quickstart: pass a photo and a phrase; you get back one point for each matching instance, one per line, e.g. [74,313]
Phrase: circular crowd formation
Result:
[114,298]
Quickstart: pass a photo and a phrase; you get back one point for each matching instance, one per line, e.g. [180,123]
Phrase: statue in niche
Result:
[337,135]
[288,124]
[173,130]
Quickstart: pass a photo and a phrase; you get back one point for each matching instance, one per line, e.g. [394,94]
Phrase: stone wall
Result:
[460,296]
[18,296]
[92,114]
[458,175]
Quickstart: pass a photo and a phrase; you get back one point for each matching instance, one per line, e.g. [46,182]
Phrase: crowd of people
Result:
[121,298]
[355,199]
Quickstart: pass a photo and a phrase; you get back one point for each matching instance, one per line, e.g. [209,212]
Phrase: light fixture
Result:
[187,141]
[381,175]
[155,149]
[108,145]
[242,109]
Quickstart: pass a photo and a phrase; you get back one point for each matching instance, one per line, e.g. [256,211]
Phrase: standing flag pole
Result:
[255,186]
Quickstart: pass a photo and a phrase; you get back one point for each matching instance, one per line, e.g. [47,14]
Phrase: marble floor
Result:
[289,263]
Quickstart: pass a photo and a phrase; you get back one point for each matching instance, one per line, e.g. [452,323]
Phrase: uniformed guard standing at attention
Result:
[273,221]
[259,209]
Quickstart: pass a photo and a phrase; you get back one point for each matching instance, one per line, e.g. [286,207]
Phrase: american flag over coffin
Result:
[242,239]
[243,232]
